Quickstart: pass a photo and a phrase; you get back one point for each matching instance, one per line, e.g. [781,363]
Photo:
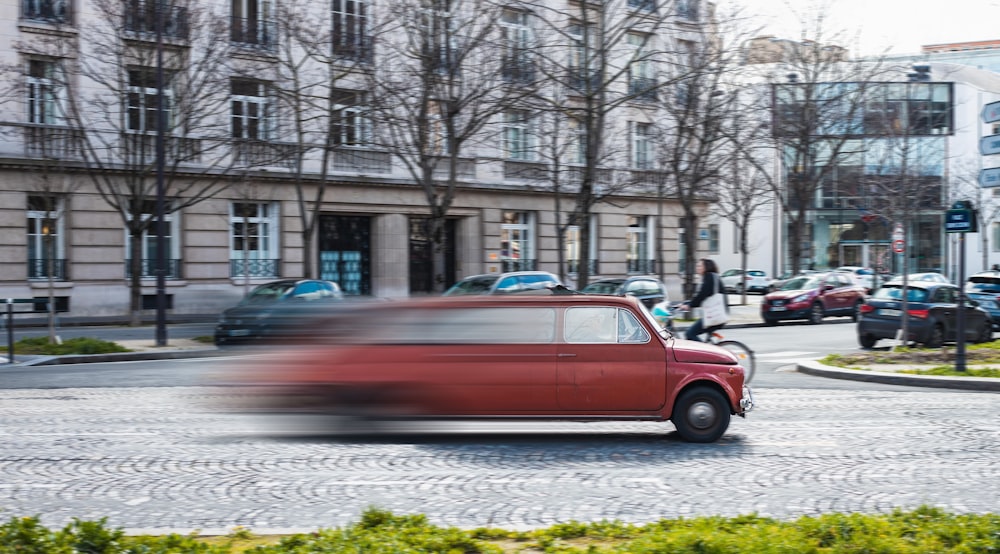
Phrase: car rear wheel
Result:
[816,314]
[936,338]
[770,322]
[701,414]
[985,332]
[856,312]
[867,341]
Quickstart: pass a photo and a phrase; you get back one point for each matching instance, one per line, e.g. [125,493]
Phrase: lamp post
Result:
[161,122]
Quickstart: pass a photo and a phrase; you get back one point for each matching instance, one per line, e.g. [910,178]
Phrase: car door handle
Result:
[566,355]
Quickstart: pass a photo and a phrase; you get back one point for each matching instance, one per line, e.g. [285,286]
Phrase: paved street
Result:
[163,459]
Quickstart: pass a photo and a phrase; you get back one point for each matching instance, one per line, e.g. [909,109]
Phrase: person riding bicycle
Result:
[709,272]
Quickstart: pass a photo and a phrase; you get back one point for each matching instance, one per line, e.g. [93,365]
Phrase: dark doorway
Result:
[421,255]
[345,252]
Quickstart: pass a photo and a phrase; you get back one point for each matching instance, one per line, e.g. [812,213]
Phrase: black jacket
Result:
[707,289]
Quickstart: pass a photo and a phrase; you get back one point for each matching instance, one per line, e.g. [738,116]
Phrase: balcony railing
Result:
[518,68]
[149,268]
[573,266]
[262,152]
[509,264]
[640,266]
[254,268]
[254,33]
[141,147]
[643,88]
[360,160]
[38,268]
[48,11]
[531,171]
[649,180]
[466,169]
[354,48]
[141,19]
[46,141]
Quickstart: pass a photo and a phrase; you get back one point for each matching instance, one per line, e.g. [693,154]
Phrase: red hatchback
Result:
[813,297]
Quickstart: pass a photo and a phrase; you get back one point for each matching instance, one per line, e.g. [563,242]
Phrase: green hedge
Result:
[79,345]
[923,530]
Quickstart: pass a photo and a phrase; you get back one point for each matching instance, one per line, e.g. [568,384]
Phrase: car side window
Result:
[944,296]
[629,329]
[591,325]
[508,284]
[307,291]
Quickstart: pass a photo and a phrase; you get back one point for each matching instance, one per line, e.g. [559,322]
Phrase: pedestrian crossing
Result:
[787,356]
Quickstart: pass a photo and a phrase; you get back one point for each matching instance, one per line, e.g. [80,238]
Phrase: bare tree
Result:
[444,86]
[965,186]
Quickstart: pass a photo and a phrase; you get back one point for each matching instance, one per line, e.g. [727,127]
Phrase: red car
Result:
[565,357]
[813,297]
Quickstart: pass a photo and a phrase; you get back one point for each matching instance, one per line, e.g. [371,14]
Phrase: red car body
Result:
[568,357]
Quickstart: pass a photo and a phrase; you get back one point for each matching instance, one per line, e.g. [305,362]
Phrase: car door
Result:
[944,307]
[835,287]
[609,361]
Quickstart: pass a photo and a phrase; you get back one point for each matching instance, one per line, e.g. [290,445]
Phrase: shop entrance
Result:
[876,255]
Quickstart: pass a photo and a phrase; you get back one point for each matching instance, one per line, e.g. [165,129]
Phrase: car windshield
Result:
[602,287]
[478,285]
[802,283]
[896,293]
[983,284]
[265,294]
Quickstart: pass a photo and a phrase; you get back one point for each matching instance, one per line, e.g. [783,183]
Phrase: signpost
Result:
[989,145]
[991,112]
[990,177]
[961,218]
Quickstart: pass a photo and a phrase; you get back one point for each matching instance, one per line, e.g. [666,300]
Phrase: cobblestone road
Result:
[157,459]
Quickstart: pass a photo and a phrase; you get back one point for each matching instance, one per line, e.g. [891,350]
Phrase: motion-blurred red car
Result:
[813,297]
[566,357]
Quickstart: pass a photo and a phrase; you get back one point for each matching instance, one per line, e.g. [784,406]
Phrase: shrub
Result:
[78,345]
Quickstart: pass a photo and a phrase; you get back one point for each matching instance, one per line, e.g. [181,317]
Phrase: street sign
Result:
[991,112]
[897,232]
[898,246]
[989,145]
[989,177]
[961,218]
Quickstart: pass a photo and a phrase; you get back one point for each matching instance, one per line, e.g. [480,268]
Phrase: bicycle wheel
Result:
[744,355]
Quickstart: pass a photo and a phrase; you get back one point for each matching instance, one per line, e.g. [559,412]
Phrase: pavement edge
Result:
[935,381]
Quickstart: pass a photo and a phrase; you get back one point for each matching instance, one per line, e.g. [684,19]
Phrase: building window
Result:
[713,238]
[438,33]
[149,243]
[350,30]
[350,127]
[517,46]
[640,72]
[638,255]
[642,157]
[581,75]
[141,16]
[45,243]
[142,100]
[252,240]
[578,139]
[642,5]
[572,246]
[45,91]
[688,9]
[51,11]
[516,241]
[250,113]
[251,24]
[518,140]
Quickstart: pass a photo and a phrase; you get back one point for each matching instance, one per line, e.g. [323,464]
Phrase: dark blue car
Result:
[932,310]
[984,288]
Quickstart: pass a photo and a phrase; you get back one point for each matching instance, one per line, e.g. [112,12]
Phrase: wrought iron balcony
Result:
[140,147]
[531,171]
[510,264]
[141,19]
[518,68]
[149,268]
[573,266]
[640,266]
[254,33]
[52,142]
[361,160]
[250,152]
[47,11]
[643,88]
[39,268]
[354,48]
[254,268]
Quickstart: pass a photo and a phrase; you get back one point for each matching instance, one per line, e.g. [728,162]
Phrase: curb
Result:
[935,381]
[121,357]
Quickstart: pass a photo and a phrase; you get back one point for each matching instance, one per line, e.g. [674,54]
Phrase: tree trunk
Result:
[135,277]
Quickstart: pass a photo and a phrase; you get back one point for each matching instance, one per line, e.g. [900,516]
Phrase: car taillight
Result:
[867,308]
[919,314]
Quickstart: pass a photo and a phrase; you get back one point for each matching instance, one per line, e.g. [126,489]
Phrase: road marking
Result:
[787,354]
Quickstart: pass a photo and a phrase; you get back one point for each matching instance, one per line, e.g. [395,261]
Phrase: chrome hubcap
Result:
[701,415]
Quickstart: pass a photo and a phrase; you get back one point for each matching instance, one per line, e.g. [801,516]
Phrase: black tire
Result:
[816,314]
[936,338]
[867,341]
[701,414]
[770,322]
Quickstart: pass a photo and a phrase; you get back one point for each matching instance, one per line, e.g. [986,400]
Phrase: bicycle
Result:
[742,352]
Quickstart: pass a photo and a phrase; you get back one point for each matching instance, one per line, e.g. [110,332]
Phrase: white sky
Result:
[900,25]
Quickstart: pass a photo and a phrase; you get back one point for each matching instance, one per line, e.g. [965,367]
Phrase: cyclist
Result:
[709,272]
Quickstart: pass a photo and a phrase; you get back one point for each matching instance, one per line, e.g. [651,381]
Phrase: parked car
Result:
[932,310]
[864,276]
[543,357]
[272,307]
[785,277]
[927,277]
[503,283]
[813,297]
[752,280]
[649,290]
[984,287]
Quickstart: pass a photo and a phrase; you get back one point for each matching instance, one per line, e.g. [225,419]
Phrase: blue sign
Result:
[989,145]
[960,221]
[991,112]
[989,177]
